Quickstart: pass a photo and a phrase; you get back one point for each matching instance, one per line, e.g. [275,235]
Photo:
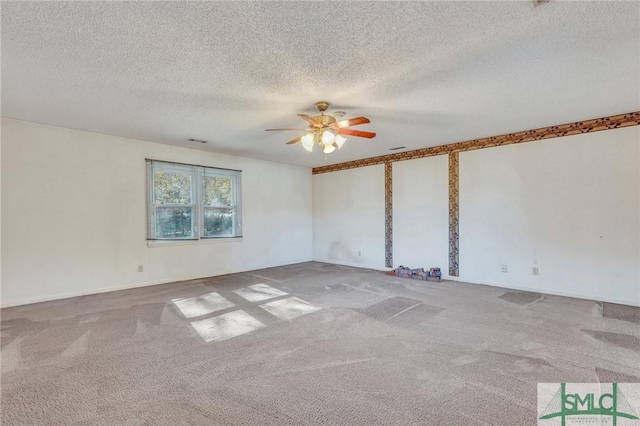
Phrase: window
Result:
[188,202]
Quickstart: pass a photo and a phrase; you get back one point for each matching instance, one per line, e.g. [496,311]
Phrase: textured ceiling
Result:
[425,73]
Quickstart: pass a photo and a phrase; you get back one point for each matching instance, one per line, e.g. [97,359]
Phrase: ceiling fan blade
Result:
[310,120]
[357,133]
[277,130]
[351,122]
[296,140]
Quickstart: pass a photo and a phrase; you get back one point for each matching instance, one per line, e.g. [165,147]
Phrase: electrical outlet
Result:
[503,268]
[140,268]
[536,271]
[359,253]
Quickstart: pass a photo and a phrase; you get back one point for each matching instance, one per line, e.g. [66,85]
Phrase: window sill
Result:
[169,243]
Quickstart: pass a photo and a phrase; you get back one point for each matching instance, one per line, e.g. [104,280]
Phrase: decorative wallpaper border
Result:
[587,126]
[388,215]
[454,214]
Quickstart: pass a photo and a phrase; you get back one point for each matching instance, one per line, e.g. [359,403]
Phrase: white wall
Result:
[348,217]
[421,213]
[569,206]
[74,215]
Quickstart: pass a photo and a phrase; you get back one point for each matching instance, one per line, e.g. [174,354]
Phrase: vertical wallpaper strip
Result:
[454,223]
[388,215]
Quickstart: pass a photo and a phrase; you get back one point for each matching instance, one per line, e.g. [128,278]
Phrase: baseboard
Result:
[353,264]
[20,302]
[29,301]
[575,295]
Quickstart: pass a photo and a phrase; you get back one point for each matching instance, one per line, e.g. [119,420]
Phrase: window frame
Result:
[235,205]
[198,204]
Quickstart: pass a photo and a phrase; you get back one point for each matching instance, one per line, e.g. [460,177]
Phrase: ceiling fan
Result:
[326,131]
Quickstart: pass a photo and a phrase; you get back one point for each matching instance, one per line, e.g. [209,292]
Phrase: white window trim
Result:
[197,197]
[208,240]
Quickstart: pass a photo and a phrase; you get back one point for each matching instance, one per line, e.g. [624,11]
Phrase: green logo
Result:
[566,404]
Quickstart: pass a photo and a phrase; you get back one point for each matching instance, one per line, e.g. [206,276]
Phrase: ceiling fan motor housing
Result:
[325,119]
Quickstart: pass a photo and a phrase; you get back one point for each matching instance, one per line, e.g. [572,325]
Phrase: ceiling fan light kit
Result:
[328,137]
[308,141]
[326,131]
[340,140]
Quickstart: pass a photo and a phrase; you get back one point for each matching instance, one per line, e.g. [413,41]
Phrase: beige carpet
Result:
[306,344]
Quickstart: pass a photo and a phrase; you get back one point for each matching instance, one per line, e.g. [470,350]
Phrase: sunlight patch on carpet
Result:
[290,308]
[226,326]
[259,292]
[202,305]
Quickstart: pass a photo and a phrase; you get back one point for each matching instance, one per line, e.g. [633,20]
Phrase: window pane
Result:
[172,188]
[217,191]
[174,222]
[218,222]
